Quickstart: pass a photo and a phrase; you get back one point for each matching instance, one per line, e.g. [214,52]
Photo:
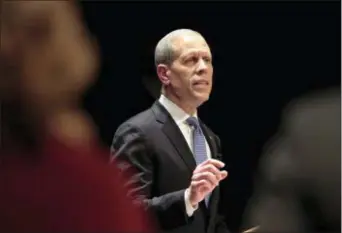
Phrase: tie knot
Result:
[193,121]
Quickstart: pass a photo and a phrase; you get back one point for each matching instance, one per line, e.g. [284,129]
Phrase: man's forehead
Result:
[192,43]
[201,51]
[189,40]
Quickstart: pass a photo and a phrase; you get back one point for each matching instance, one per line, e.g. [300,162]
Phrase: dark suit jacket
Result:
[154,146]
[299,187]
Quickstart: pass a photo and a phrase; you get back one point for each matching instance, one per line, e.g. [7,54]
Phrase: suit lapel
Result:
[172,131]
[210,139]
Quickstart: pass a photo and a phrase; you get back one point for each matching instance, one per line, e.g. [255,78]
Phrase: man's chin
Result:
[201,99]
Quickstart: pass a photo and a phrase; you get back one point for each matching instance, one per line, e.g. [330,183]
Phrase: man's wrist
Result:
[190,209]
[187,196]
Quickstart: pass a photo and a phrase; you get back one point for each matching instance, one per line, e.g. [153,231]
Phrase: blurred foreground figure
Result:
[54,177]
[300,185]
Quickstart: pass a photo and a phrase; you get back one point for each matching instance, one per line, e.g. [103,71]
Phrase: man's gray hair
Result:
[164,52]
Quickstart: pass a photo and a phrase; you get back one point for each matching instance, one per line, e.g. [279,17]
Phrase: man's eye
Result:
[192,60]
[207,59]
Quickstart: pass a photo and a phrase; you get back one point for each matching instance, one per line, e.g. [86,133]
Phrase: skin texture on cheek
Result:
[182,85]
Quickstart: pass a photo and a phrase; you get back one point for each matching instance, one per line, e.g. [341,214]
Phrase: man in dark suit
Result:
[175,155]
[299,188]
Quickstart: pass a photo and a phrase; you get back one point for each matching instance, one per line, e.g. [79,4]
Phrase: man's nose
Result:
[202,66]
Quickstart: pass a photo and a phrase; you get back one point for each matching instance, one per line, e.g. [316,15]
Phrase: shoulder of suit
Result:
[142,120]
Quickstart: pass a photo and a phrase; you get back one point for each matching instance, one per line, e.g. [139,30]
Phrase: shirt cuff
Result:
[189,208]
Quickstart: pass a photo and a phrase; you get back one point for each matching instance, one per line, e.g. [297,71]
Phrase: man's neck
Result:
[186,107]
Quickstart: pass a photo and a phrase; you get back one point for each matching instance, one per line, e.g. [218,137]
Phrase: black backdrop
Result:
[265,54]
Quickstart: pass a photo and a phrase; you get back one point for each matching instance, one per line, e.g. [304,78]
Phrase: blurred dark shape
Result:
[54,175]
[299,185]
[152,85]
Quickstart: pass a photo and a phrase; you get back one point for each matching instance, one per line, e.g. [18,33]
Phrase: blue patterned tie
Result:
[199,147]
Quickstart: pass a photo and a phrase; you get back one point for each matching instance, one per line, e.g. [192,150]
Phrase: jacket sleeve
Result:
[134,154]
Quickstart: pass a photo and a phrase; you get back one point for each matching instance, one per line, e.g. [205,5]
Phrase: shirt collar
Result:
[178,114]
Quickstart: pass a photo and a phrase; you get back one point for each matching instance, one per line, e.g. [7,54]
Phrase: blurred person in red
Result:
[54,176]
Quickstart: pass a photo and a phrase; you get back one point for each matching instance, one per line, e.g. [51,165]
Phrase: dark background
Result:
[265,54]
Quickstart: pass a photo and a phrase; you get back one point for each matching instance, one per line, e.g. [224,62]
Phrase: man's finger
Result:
[223,175]
[206,176]
[201,184]
[214,162]
[209,168]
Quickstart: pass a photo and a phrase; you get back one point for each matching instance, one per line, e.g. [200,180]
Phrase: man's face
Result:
[190,74]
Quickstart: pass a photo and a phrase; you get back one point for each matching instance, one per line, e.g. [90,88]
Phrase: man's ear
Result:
[163,73]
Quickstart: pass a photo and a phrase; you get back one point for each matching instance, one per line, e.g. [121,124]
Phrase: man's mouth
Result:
[201,82]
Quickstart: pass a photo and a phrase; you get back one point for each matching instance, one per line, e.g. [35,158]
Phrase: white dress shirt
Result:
[179,116]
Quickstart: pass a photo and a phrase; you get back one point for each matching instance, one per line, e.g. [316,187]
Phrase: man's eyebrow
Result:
[190,53]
